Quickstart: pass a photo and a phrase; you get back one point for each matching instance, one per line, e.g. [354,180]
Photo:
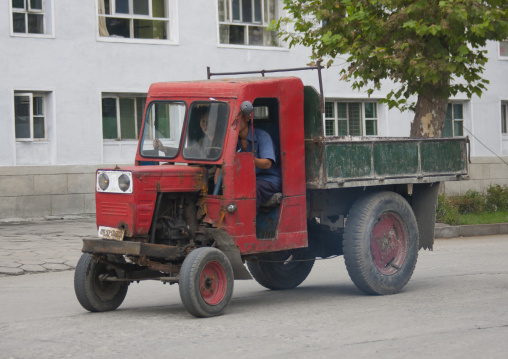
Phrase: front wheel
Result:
[381,243]
[206,282]
[94,294]
[281,270]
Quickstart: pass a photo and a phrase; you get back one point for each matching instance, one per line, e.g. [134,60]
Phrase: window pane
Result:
[127,119]
[448,129]
[150,29]
[257,11]
[503,48]
[457,112]
[122,6]
[256,36]
[206,127]
[371,127]
[18,4]
[36,24]
[329,113]
[118,27]
[236,10]
[158,8]
[164,121]
[36,4]
[355,125]
[504,126]
[109,124]
[457,128]
[329,128]
[39,127]
[370,110]
[18,22]
[246,10]
[342,110]
[236,35]
[22,116]
[38,109]
[140,108]
[141,7]
[342,127]
[223,6]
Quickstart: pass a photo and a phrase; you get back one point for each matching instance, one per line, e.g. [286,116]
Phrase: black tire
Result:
[381,243]
[93,294]
[281,271]
[206,282]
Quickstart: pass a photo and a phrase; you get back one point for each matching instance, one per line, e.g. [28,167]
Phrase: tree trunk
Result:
[430,113]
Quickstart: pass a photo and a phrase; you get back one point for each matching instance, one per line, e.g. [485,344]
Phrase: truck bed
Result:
[339,162]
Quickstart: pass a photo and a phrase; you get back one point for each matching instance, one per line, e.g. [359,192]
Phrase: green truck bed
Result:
[340,162]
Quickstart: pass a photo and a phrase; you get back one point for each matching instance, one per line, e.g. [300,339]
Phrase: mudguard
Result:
[226,244]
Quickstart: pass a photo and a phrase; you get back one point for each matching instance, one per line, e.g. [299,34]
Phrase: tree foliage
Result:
[432,48]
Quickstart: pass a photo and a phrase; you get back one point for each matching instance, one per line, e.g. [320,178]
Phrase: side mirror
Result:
[247,107]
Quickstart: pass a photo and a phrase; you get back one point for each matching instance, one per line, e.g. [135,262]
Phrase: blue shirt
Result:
[264,148]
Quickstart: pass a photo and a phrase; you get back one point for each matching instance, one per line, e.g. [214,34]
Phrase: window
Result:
[122,116]
[136,19]
[454,120]
[503,49]
[504,115]
[350,118]
[30,116]
[31,17]
[244,22]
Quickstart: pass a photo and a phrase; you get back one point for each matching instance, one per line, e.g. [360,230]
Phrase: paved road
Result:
[455,306]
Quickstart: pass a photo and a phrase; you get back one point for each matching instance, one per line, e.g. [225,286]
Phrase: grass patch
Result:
[474,207]
[484,218]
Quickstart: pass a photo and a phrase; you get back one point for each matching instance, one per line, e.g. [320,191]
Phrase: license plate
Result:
[111,233]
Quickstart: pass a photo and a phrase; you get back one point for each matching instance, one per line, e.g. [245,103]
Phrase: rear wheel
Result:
[206,282]
[282,270]
[94,294]
[381,243]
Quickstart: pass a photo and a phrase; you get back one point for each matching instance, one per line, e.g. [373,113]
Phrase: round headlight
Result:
[103,181]
[124,182]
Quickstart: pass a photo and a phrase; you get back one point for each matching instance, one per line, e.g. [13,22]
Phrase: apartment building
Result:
[74,77]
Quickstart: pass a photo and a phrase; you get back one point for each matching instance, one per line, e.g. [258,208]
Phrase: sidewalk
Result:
[43,245]
[55,245]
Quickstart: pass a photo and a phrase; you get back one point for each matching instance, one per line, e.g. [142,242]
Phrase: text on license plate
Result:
[111,233]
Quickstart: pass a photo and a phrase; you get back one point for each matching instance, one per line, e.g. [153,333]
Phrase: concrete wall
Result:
[483,171]
[46,191]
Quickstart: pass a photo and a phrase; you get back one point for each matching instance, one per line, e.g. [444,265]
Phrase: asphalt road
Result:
[455,306]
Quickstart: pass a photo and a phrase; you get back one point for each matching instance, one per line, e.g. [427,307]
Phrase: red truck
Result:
[186,211]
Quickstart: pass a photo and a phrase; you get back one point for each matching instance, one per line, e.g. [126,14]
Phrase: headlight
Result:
[114,181]
[103,181]
[124,182]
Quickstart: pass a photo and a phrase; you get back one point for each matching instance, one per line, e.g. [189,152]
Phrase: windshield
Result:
[206,129]
[163,129]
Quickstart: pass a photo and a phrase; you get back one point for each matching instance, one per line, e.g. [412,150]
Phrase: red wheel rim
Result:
[388,243]
[213,283]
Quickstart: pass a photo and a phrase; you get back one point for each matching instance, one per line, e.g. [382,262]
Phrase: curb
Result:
[446,231]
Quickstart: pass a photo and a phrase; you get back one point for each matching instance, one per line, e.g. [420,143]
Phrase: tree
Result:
[433,49]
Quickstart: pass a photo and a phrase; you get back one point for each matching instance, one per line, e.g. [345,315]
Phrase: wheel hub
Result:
[388,243]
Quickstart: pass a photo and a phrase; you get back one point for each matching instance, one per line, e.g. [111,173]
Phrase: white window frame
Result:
[462,120]
[171,18]
[48,19]
[502,57]
[264,24]
[31,96]
[363,119]
[117,98]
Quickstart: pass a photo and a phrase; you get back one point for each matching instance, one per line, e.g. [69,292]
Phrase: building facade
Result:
[74,78]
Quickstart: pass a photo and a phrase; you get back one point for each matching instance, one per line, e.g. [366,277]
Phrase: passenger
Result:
[268,175]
